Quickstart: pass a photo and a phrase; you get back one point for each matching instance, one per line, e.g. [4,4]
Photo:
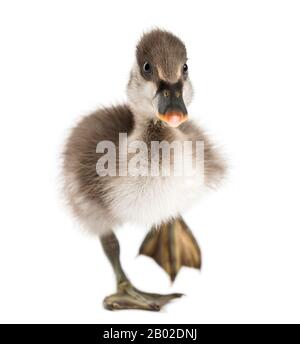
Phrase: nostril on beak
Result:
[166,93]
[177,94]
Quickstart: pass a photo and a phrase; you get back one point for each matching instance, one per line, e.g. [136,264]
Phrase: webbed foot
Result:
[172,246]
[128,297]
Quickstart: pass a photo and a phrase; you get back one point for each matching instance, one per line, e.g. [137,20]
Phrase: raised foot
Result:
[172,246]
[129,297]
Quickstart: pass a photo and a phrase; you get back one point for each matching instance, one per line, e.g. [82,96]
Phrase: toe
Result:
[125,301]
[110,304]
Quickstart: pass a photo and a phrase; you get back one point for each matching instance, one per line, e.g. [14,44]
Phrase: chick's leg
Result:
[127,296]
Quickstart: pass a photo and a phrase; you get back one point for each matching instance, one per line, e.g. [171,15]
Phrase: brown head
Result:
[159,84]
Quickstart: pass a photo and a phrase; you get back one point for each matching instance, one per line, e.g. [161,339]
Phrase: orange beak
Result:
[173,118]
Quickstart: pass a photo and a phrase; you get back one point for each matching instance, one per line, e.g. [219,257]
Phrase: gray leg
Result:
[127,296]
[111,248]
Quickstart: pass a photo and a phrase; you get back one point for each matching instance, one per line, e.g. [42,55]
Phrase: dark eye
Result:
[147,68]
[185,68]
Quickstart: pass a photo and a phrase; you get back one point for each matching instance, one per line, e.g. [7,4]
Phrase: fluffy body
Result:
[103,203]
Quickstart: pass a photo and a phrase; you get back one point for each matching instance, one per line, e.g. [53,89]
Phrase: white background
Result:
[60,60]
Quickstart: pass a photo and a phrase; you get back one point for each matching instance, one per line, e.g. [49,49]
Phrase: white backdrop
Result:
[61,59]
